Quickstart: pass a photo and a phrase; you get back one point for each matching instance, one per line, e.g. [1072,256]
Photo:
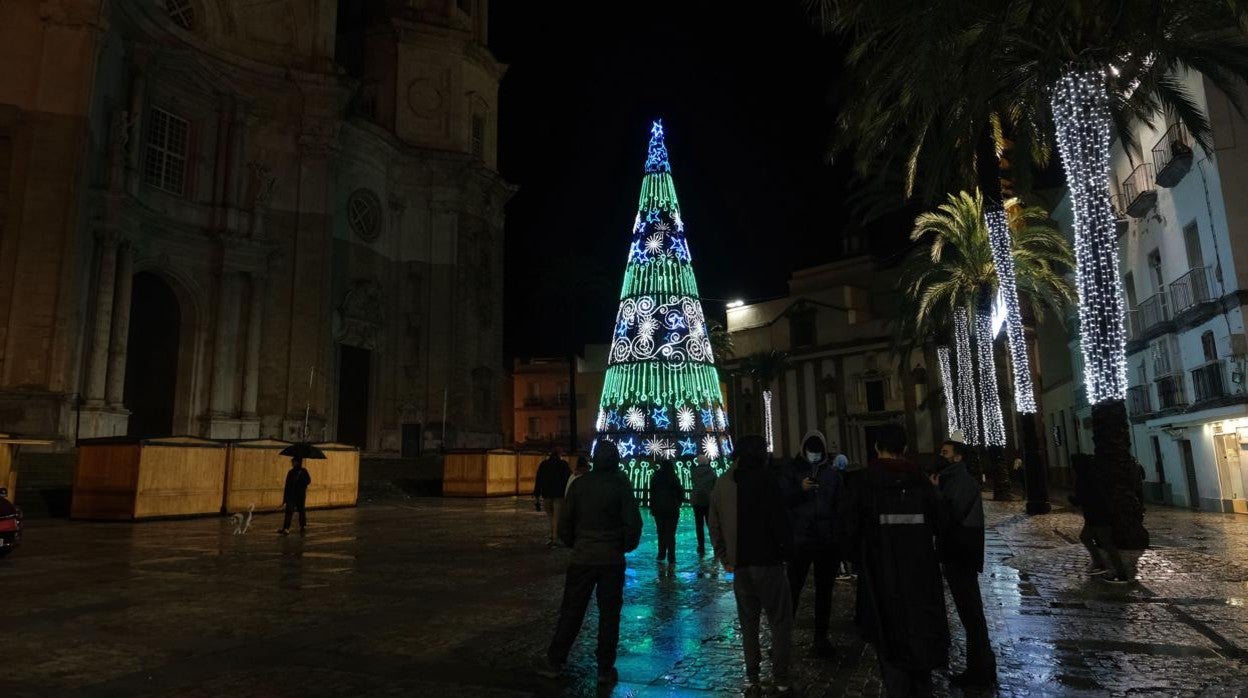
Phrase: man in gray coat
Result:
[752,536]
[600,522]
[960,548]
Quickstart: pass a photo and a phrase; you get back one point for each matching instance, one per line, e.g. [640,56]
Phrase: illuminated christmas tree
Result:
[661,398]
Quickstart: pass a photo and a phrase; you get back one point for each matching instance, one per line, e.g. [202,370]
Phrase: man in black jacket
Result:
[549,487]
[601,522]
[961,550]
[752,536]
[1092,496]
[295,496]
[812,487]
[893,516]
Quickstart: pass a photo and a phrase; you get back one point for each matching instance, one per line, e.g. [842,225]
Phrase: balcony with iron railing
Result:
[1191,289]
[1170,393]
[1152,311]
[1172,156]
[1140,400]
[1139,192]
[1132,325]
[1208,381]
[1161,361]
[1121,224]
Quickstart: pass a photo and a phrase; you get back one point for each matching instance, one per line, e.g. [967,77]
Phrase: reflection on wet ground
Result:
[453,598]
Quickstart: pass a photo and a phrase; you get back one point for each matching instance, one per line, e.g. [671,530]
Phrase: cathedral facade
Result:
[246,218]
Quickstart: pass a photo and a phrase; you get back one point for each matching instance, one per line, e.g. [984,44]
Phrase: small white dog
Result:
[242,521]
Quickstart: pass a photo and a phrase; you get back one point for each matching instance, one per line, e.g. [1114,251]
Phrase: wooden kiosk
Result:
[127,478]
[9,446]
[335,480]
[479,473]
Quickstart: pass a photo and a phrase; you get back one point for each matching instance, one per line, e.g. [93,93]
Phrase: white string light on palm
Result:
[1082,119]
[968,407]
[1003,260]
[993,425]
[946,383]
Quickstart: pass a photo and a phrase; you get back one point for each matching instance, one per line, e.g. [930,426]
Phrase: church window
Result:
[168,143]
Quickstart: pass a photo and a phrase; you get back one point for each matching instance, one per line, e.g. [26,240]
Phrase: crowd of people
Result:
[901,532]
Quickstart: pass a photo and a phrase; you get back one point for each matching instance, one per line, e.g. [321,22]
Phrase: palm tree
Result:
[1077,70]
[722,344]
[953,284]
[765,367]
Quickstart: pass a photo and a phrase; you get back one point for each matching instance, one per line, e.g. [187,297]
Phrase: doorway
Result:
[1189,471]
[353,380]
[1158,465]
[151,357]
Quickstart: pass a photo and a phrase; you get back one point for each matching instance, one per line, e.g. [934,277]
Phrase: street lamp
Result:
[735,304]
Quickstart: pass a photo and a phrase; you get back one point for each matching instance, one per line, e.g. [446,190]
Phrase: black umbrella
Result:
[303,451]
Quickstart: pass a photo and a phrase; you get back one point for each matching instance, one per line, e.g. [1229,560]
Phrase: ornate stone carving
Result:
[360,318]
[424,98]
[364,214]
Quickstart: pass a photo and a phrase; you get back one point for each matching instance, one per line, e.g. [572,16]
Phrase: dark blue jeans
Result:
[582,580]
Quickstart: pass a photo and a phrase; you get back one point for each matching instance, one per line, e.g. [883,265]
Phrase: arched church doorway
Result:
[152,356]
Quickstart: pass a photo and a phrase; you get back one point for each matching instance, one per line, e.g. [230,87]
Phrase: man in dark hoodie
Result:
[961,549]
[893,515]
[751,536]
[600,521]
[812,488]
[1092,496]
[549,486]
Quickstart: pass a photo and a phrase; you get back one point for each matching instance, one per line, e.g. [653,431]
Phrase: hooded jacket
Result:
[600,520]
[747,520]
[893,513]
[551,480]
[666,492]
[812,514]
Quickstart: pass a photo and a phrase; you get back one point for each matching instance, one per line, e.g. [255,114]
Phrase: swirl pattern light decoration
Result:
[968,406]
[992,424]
[946,383]
[661,398]
[1003,260]
[1081,115]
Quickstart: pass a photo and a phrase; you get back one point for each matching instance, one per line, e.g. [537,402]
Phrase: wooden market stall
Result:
[479,473]
[255,473]
[335,480]
[9,445]
[131,478]
[526,470]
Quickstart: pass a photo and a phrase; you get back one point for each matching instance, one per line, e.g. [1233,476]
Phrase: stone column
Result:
[221,379]
[121,327]
[251,374]
[97,365]
[138,88]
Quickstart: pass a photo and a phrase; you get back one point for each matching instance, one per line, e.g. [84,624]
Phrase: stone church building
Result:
[228,218]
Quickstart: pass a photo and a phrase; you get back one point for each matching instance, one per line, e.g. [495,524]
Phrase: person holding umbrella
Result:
[295,495]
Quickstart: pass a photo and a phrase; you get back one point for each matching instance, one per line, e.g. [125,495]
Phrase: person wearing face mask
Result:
[960,548]
[812,486]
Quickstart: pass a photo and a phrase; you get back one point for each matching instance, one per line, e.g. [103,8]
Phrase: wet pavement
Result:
[453,598]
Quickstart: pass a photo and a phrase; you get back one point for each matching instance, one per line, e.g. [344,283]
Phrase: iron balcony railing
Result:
[1138,191]
[1207,381]
[1153,311]
[1140,399]
[1170,392]
[1193,288]
[1132,324]
[1172,156]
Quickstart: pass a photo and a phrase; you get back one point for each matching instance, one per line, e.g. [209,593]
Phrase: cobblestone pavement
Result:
[453,598]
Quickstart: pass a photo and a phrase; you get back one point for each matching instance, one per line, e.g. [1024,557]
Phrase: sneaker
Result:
[844,576]
[1095,571]
[974,679]
[283,531]
[782,688]
[1115,579]
[546,667]
[608,677]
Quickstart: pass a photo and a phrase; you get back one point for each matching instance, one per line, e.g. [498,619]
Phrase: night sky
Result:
[745,95]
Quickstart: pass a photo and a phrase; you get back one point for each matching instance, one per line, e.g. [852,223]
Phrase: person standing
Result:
[811,487]
[666,496]
[751,536]
[549,487]
[1092,496]
[600,522]
[703,477]
[893,515]
[295,496]
[961,550]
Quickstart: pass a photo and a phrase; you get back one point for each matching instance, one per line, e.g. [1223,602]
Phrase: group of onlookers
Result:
[900,527]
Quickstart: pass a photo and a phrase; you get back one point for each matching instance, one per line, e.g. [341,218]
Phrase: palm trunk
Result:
[993,432]
[988,167]
[1082,117]
[968,407]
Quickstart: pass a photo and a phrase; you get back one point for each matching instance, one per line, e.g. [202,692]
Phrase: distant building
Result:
[242,219]
[842,376]
[540,411]
[1183,236]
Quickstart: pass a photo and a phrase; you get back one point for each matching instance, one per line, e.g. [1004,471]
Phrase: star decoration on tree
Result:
[659,416]
[627,447]
[688,447]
